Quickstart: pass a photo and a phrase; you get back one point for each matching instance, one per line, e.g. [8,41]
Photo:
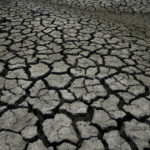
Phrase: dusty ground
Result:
[71,81]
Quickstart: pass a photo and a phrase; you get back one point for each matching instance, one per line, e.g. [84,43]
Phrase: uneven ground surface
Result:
[132,6]
[71,81]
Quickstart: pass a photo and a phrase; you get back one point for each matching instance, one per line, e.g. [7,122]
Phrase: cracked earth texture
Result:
[138,6]
[73,80]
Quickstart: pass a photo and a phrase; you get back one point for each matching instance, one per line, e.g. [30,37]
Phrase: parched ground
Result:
[71,81]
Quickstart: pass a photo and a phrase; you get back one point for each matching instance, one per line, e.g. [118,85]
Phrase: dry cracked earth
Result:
[71,81]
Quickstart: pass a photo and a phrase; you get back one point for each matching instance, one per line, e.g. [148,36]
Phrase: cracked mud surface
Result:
[132,6]
[71,81]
